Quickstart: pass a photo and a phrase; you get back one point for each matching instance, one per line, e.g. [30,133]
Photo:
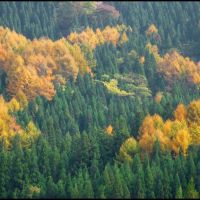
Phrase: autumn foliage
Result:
[180,113]
[109,130]
[151,30]
[91,39]
[174,66]
[34,67]
[30,65]
[9,126]
[173,135]
[153,49]
[127,150]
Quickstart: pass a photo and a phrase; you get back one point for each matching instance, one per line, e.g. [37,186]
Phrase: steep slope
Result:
[99,100]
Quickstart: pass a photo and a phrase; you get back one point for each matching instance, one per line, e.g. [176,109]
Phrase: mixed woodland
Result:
[99,99]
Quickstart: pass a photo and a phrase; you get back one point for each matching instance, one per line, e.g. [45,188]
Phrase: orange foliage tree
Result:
[109,130]
[173,66]
[33,67]
[91,39]
[153,49]
[151,30]
[180,112]
[9,126]
[150,131]
[173,135]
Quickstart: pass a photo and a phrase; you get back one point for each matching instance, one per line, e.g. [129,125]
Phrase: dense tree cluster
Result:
[10,128]
[99,100]
[174,66]
[32,67]
[91,39]
[174,135]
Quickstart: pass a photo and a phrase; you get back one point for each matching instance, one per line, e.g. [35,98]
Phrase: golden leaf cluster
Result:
[91,38]
[173,135]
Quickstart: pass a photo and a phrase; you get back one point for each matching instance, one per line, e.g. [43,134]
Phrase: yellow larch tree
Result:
[195,133]
[148,132]
[9,126]
[173,66]
[158,97]
[127,150]
[153,49]
[151,30]
[33,67]
[111,34]
[180,113]
[123,39]
[109,130]
[193,112]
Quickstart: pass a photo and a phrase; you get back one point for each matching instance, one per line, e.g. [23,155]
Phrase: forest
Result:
[99,100]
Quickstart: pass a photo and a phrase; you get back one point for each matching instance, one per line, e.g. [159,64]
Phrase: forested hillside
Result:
[99,99]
